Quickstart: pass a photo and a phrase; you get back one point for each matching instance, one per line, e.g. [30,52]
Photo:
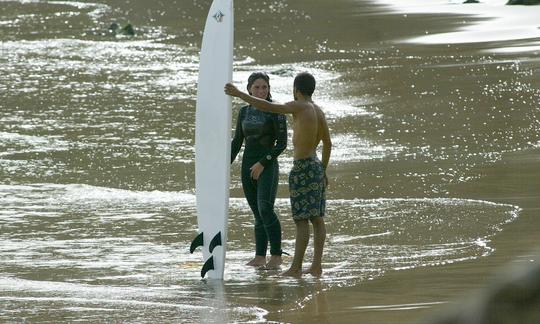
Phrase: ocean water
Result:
[97,204]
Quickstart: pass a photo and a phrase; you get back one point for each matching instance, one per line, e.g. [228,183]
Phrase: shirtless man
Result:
[307,180]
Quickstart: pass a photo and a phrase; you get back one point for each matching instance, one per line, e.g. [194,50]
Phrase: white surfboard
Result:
[212,137]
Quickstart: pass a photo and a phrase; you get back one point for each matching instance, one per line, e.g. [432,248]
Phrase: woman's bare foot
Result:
[274,263]
[258,261]
[292,273]
[314,271]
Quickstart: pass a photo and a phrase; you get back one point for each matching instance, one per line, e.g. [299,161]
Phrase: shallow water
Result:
[74,248]
[97,158]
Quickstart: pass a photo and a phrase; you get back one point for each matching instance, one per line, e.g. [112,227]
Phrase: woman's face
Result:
[259,89]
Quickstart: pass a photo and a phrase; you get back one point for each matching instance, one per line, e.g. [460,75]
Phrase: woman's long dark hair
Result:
[256,76]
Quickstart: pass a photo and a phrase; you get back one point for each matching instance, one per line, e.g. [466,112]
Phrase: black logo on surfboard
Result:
[218,16]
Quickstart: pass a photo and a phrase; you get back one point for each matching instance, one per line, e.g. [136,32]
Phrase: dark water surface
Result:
[97,204]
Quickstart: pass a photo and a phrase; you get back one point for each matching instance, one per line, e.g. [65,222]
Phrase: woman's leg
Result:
[261,240]
[266,196]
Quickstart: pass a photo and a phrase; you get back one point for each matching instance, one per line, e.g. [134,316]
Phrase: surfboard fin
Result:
[198,241]
[208,265]
[215,242]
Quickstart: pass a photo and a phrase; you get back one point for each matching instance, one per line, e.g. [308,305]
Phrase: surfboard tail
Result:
[208,265]
[197,241]
[216,241]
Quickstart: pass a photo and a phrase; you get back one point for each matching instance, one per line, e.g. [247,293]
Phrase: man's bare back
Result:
[309,129]
[305,129]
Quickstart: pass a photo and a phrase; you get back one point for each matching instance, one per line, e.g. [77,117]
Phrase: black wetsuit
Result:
[265,135]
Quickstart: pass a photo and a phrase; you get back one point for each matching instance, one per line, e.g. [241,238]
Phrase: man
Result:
[307,180]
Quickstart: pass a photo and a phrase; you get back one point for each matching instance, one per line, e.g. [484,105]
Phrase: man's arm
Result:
[325,137]
[261,104]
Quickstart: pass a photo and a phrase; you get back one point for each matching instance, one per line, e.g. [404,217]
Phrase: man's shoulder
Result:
[300,104]
[318,109]
[314,104]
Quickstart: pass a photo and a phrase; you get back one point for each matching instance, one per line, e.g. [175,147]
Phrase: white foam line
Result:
[501,23]
[517,49]
[437,200]
[89,291]
[399,306]
[89,309]
[352,238]
[89,192]
[101,301]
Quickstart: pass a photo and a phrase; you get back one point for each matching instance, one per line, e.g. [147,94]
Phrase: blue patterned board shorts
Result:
[307,189]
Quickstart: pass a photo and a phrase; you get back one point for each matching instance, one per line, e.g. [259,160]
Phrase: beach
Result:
[422,294]
[418,295]
[434,114]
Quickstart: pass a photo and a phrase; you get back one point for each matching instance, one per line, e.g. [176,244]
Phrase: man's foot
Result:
[314,271]
[274,263]
[258,261]
[292,273]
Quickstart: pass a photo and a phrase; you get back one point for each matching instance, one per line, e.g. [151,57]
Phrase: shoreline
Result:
[495,21]
[410,296]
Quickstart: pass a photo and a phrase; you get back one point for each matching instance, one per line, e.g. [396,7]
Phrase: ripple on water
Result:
[108,238]
[61,63]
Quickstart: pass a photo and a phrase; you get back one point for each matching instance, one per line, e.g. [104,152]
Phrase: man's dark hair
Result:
[305,83]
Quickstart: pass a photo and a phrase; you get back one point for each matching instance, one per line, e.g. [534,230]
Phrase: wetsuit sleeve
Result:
[238,139]
[280,126]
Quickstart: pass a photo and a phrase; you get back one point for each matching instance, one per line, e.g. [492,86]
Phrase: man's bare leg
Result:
[257,261]
[302,240]
[319,237]
[274,263]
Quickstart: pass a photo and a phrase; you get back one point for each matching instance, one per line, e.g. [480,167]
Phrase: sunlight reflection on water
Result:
[105,242]
[96,155]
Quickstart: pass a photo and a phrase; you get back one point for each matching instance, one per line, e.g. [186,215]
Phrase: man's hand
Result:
[232,90]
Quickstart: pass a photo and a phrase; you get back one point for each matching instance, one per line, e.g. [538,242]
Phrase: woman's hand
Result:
[256,170]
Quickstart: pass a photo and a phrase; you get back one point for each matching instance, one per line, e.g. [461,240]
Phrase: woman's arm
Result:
[238,139]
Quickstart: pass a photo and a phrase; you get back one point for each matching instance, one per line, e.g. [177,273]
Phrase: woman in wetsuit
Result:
[265,135]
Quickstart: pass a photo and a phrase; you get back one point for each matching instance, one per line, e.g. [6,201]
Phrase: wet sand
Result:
[413,296]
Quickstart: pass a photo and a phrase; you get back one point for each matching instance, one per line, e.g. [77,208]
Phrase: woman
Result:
[265,135]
